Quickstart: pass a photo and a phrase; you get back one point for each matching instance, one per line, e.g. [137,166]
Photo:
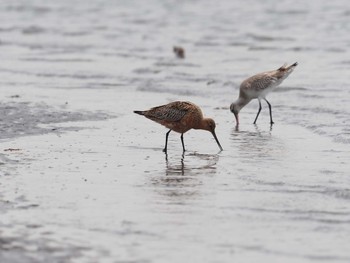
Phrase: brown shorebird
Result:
[257,87]
[180,116]
[179,51]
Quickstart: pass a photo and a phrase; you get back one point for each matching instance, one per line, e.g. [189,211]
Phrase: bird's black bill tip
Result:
[217,141]
[295,64]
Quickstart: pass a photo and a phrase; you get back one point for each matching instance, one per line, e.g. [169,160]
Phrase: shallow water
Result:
[83,179]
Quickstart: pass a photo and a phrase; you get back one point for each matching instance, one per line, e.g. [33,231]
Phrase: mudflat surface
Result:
[84,179]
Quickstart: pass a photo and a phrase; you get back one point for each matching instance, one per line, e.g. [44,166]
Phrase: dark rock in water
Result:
[179,51]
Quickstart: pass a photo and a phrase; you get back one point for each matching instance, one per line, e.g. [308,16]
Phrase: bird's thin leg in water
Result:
[166,141]
[270,108]
[182,163]
[257,115]
[182,140]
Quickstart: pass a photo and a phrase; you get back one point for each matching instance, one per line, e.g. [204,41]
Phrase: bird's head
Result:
[234,108]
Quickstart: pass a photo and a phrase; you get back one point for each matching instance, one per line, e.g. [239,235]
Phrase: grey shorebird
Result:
[258,86]
[180,116]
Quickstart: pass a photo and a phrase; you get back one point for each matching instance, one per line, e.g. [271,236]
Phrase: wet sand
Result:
[83,179]
[104,190]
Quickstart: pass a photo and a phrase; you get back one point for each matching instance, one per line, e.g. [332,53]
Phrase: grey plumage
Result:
[258,86]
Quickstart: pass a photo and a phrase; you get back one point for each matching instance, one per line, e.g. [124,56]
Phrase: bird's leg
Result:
[182,164]
[257,115]
[166,141]
[182,140]
[270,108]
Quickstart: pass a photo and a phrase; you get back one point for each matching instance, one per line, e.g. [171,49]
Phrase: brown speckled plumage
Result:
[180,116]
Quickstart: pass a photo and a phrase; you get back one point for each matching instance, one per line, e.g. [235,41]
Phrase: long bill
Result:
[217,141]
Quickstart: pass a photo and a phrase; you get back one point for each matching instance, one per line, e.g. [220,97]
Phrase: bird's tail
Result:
[285,68]
[139,112]
[293,65]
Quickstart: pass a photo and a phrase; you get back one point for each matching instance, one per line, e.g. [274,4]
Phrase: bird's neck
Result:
[241,102]
[202,125]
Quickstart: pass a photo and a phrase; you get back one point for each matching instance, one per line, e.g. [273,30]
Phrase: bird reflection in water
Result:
[257,142]
[257,129]
[185,174]
[175,169]
[191,167]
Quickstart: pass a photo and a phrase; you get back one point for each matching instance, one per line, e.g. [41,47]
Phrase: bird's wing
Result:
[170,112]
[262,81]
